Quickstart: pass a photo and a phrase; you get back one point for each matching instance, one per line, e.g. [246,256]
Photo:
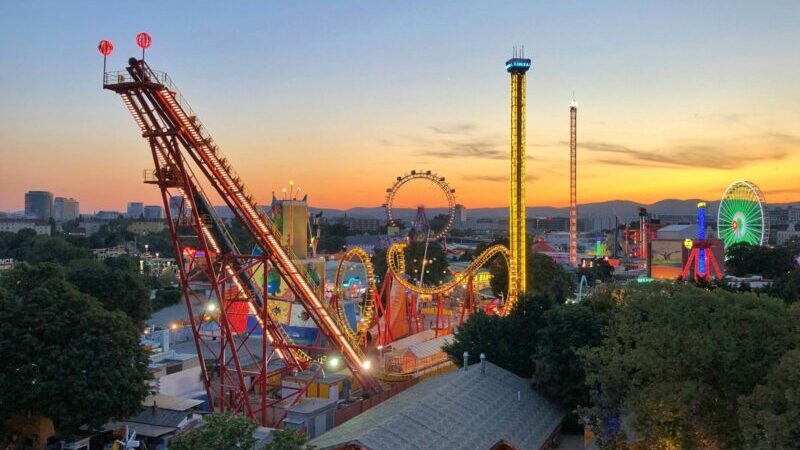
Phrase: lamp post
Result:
[380,355]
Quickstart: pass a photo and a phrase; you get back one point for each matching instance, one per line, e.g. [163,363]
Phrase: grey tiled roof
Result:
[458,410]
[160,417]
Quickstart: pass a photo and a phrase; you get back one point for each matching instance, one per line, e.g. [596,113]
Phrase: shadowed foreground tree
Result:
[770,262]
[63,356]
[218,432]
[118,290]
[568,328]
[509,342]
[770,415]
[677,357]
[289,440]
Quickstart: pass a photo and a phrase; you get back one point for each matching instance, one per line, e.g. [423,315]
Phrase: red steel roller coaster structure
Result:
[235,377]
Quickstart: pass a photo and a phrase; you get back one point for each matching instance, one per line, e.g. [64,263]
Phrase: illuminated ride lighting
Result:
[143,40]
[333,362]
[210,240]
[518,64]
[700,259]
[105,47]
[204,152]
[742,215]
[287,263]
[396,264]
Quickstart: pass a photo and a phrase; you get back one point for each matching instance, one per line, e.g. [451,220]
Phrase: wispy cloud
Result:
[466,148]
[705,156]
[786,139]
[782,191]
[496,178]
[454,128]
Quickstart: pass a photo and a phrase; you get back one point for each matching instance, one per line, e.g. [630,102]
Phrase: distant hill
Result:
[620,208]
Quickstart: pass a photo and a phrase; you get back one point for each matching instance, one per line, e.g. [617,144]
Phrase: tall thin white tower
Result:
[573,188]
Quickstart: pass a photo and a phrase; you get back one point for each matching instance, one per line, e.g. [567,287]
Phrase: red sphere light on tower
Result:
[105,47]
[143,40]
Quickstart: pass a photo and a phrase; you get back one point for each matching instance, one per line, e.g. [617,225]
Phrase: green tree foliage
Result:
[63,356]
[770,262]
[497,267]
[118,290]
[770,416]
[567,329]
[27,246]
[379,263]
[544,276]
[70,225]
[166,297]
[289,440]
[331,237]
[600,272]
[122,263]
[435,269]
[112,234]
[438,222]
[510,342]
[10,242]
[159,242]
[787,287]
[244,242]
[219,432]
[677,357]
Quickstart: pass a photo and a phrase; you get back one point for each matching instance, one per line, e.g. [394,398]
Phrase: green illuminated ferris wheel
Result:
[742,216]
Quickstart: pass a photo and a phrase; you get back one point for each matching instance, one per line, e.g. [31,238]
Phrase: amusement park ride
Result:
[701,264]
[235,355]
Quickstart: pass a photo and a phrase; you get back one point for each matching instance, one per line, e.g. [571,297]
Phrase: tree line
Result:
[659,365]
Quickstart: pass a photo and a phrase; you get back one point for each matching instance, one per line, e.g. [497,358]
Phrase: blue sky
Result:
[677,98]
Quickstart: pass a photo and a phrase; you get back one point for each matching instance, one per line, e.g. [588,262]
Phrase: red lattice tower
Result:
[573,180]
[237,376]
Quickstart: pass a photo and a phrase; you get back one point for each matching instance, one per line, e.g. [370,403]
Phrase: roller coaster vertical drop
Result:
[177,138]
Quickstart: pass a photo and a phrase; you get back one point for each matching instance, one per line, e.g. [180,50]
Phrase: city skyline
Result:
[677,101]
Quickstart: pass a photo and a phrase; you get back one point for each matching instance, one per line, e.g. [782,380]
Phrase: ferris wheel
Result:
[742,216]
[423,191]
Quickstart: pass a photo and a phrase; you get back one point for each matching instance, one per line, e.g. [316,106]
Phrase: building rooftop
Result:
[431,347]
[160,417]
[678,227]
[404,343]
[311,405]
[458,410]
[171,402]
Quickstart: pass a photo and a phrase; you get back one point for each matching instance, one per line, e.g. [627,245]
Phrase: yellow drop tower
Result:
[517,67]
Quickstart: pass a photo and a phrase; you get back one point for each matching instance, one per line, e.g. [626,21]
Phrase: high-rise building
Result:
[65,209]
[39,204]
[461,214]
[175,203]
[135,210]
[153,212]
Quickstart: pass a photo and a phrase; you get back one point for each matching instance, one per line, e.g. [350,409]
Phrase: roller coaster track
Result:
[396,262]
[368,315]
[219,239]
[158,96]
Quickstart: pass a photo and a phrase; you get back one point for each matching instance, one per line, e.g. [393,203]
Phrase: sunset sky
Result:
[676,99]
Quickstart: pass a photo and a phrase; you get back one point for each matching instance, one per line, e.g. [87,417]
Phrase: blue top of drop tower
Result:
[518,65]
